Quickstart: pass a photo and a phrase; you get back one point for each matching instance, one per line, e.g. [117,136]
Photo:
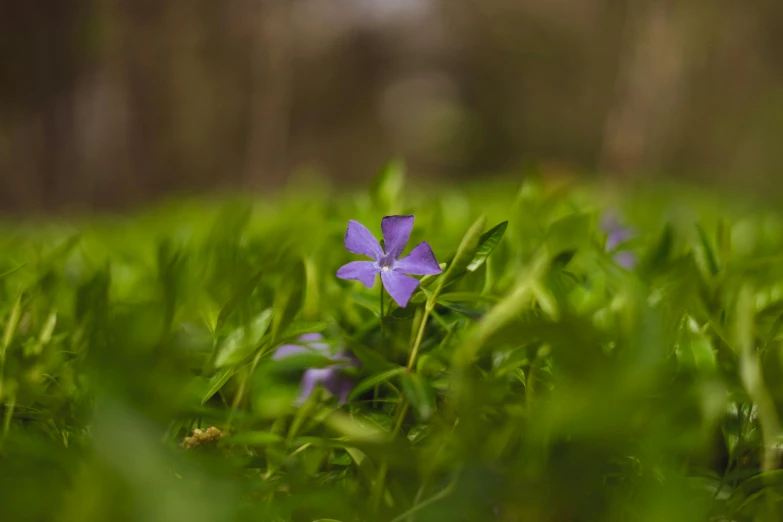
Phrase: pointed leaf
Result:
[243,341]
[288,299]
[370,358]
[467,311]
[660,254]
[355,428]
[12,324]
[298,328]
[258,327]
[487,243]
[464,255]
[709,252]
[48,328]
[216,382]
[231,349]
[240,297]
[373,380]
[420,394]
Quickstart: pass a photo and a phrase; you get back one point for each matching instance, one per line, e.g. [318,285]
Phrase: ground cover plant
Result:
[555,355]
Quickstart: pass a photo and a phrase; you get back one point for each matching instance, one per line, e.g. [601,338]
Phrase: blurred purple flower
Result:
[625,259]
[332,378]
[396,232]
[616,234]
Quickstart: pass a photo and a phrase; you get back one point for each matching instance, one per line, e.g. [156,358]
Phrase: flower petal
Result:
[609,221]
[331,379]
[617,236]
[363,271]
[399,286]
[420,261]
[310,380]
[313,342]
[359,240]
[346,359]
[625,259]
[287,350]
[615,231]
[341,389]
[396,232]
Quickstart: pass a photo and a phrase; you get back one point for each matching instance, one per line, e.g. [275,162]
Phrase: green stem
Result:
[530,384]
[380,485]
[376,388]
[436,497]
[9,414]
[381,315]
[403,404]
[419,336]
[402,409]
[243,385]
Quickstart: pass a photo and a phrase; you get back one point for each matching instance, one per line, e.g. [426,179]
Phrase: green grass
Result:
[545,382]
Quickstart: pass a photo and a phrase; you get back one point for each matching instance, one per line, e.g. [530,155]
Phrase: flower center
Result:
[386,263]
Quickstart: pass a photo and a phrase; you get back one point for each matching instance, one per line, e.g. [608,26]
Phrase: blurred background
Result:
[106,104]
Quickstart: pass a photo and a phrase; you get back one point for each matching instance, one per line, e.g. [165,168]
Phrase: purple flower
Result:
[331,378]
[396,232]
[625,259]
[616,234]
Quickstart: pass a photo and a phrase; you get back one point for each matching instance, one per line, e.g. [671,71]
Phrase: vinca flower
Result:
[386,261]
[616,235]
[332,378]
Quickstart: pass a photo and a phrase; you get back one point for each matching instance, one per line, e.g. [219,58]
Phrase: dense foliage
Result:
[538,377]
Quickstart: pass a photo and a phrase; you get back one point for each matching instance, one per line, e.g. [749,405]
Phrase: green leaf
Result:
[61,251]
[387,186]
[253,438]
[709,252]
[467,311]
[232,349]
[561,260]
[504,312]
[12,324]
[467,297]
[663,248]
[303,361]
[464,256]
[288,299]
[240,297]
[48,328]
[243,341]
[487,243]
[354,427]
[36,346]
[12,270]
[420,394]
[373,380]
[216,382]
[92,297]
[696,349]
[298,328]
[258,327]
[370,358]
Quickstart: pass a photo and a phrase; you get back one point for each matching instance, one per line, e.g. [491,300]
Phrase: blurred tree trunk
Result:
[655,60]
[270,91]
[39,74]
